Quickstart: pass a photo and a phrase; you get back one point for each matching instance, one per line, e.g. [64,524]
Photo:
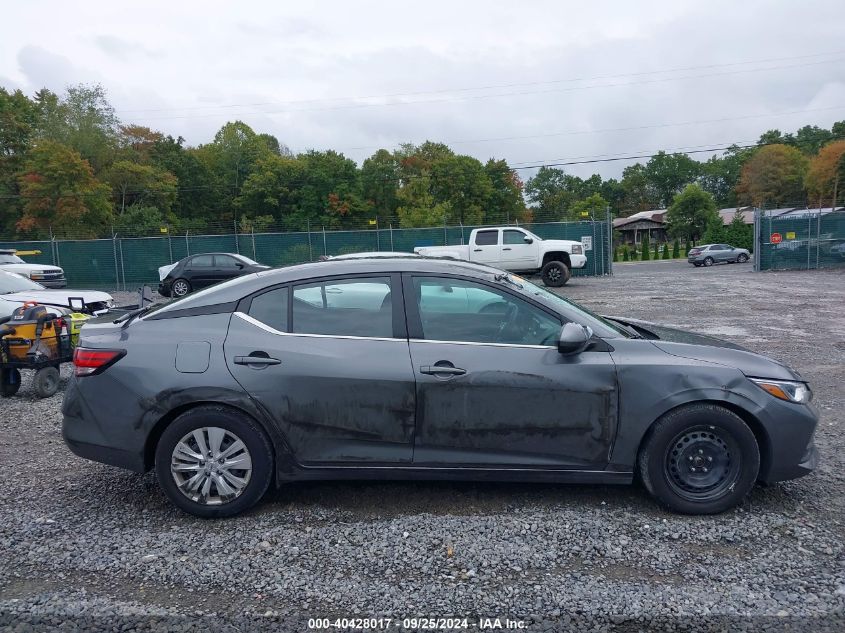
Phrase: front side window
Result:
[460,310]
[513,237]
[271,308]
[202,261]
[347,307]
[487,238]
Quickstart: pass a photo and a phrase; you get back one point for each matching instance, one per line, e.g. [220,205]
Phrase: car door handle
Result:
[506,249]
[434,370]
[256,360]
[478,250]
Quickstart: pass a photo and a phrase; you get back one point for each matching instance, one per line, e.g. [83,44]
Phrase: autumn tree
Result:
[417,207]
[505,203]
[273,189]
[61,193]
[138,184]
[773,177]
[593,208]
[18,123]
[668,174]
[825,179]
[690,212]
[380,182]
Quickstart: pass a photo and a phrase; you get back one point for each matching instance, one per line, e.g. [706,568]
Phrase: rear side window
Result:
[486,238]
[202,261]
[271,308]
[347,307]
[226,261]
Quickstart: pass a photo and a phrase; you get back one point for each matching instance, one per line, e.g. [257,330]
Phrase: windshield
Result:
[11,259]
[570,309]
[10,283]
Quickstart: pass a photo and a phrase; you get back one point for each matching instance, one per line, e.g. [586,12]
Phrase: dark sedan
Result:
[420,368]
[203,270]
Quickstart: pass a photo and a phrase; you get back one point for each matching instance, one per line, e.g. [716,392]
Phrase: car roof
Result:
[239,287]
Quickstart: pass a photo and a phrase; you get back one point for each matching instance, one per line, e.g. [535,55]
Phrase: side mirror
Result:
[574,339]
[528,239]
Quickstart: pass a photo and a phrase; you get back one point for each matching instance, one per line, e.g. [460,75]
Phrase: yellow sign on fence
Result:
[790,235]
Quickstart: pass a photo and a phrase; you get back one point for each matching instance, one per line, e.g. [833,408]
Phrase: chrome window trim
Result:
[271,330]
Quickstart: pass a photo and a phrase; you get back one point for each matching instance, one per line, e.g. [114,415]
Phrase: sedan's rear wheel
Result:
[699,459]
[180,288]
[214,462]
[708,261]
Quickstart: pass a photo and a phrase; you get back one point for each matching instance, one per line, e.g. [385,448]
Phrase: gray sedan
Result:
[709,254]
[425,369]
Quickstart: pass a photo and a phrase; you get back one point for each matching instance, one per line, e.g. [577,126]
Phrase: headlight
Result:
[576,249]
[785,389]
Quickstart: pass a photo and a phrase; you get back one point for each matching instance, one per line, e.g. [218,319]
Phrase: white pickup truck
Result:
[515,249]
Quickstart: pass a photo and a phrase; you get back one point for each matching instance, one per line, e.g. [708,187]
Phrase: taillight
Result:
[88,362]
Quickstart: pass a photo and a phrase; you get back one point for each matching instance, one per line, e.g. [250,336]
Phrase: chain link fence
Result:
[801,240]
[124,263]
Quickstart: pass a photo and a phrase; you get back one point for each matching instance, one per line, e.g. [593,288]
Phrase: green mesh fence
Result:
[125,263]
[812,240]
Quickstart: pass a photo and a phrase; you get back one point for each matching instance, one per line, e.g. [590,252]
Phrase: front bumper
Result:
[58,282]
[578,261]
[790,451]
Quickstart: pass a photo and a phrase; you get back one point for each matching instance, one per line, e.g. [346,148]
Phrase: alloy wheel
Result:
[180,288]
[211,466]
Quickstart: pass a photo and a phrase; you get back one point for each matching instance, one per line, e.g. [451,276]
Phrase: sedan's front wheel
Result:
[214,462]
[699,459]
[742,258]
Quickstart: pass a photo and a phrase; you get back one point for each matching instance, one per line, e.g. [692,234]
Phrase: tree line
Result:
[70,167]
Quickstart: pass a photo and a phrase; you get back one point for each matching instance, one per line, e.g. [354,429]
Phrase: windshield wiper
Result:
[127,318]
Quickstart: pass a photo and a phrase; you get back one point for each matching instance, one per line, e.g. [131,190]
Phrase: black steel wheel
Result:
[699,459]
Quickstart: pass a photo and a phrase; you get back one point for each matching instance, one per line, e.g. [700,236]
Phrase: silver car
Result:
[709,254]
[416,368]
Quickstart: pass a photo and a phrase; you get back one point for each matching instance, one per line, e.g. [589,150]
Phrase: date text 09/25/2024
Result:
[415,623]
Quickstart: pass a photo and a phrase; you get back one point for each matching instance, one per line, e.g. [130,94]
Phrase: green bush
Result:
[655,254]
[646,252]
[665,250]
[625,256]
[676,250]
[686,248]
[615,254]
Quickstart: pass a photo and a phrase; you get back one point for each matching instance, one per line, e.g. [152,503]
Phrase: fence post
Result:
[595,251]
[325,251]
[809,235]
[254,254]
[170,247]
[310,250]
[187,243]
[819,233]
[114,251]
[445,234]
[610,245]
[122,268]
[378,236]
[758,243]
[391,236]
[237,241]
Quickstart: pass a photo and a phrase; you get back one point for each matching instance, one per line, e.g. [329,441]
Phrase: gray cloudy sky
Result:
[529,82]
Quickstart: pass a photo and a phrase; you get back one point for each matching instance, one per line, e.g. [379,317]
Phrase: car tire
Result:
[10,382]
[742,258]
[555,274]
[46,382]
[696,264]
[180,288]
[205,497]
[699,459]
[708,261]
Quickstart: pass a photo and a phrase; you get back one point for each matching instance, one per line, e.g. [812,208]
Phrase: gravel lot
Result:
[92,547]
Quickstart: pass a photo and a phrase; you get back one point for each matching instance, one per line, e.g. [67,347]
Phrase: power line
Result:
[354,106]
[488,87]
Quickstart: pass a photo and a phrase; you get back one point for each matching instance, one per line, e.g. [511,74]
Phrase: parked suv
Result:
[709,254]
[48,276]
